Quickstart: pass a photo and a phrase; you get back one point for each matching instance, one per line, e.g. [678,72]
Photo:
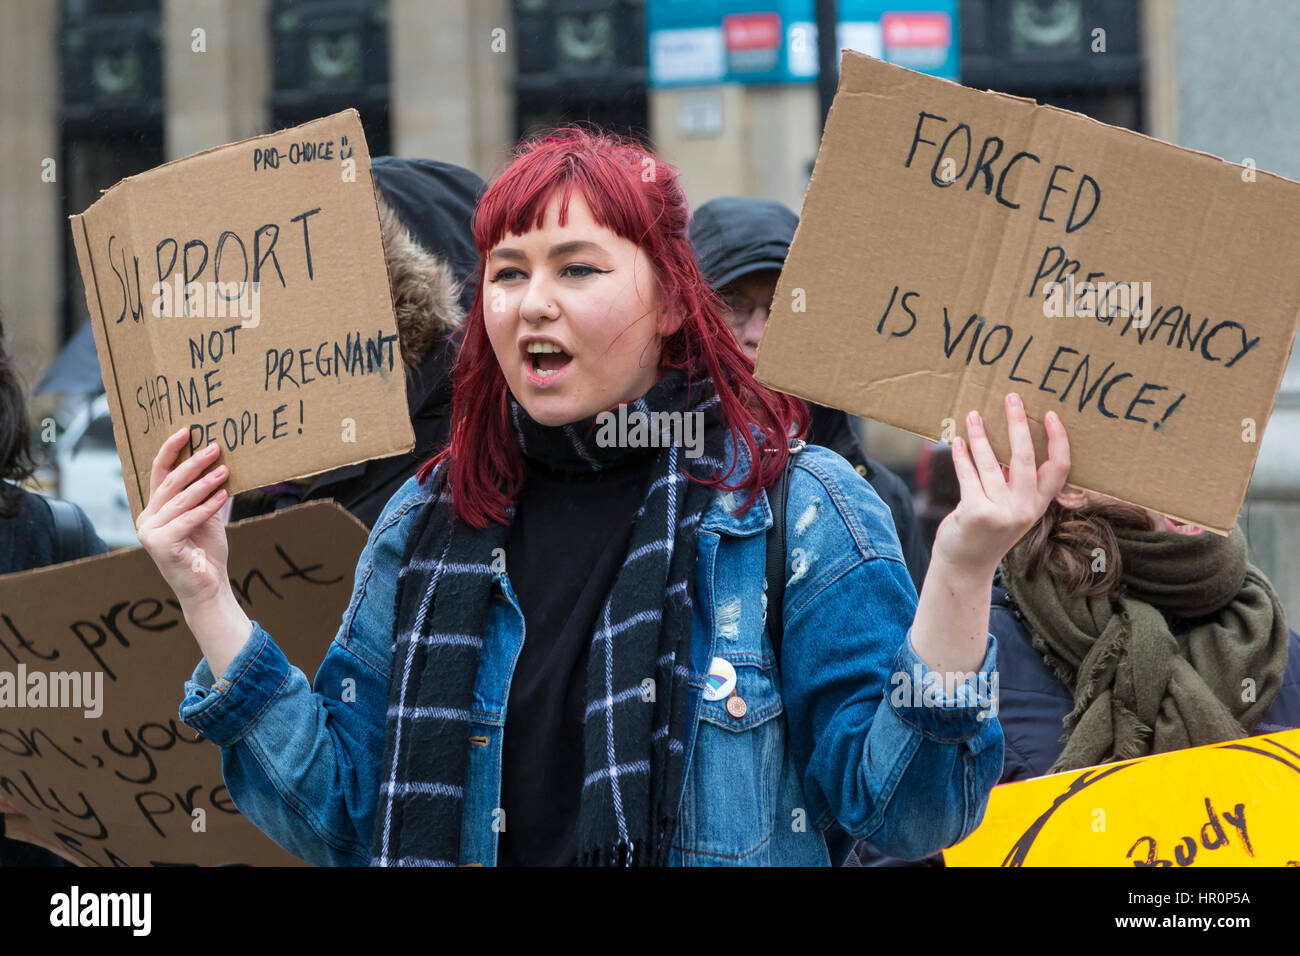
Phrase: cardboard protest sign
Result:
[1229,804]
[93,659]
[957,245]
[243,292]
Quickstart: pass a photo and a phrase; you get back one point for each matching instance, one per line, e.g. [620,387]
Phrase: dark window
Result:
[111,113]
[1080,55]
[580,60]
[328,56]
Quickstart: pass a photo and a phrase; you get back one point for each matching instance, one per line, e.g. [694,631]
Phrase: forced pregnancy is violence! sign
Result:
[957,245]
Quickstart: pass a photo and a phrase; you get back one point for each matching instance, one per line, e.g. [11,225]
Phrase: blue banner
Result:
[693,42]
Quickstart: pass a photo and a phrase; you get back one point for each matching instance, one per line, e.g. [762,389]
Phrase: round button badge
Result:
[721,680]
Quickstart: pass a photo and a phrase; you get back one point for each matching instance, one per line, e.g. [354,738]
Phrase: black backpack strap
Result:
[776,553]
[67,529]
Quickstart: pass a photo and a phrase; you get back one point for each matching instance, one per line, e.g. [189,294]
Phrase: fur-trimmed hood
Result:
[423,289]
[426,210]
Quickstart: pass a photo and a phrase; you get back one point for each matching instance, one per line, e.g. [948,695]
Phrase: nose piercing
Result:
[538,318]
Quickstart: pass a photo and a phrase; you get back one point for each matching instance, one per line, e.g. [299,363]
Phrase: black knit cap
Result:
[734,235]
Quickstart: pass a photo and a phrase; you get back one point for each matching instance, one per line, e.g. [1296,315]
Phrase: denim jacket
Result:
[835,731]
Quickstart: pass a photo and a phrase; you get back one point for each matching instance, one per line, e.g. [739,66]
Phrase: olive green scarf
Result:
[1140,688]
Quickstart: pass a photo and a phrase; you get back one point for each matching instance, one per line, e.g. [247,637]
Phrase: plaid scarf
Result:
[632,740]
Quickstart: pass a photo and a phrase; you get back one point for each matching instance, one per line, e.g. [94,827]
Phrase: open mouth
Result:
[546,359]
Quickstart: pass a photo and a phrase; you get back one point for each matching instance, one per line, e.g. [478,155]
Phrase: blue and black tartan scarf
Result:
[632,740]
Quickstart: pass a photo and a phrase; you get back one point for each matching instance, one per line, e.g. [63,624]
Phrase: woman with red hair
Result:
[557,650]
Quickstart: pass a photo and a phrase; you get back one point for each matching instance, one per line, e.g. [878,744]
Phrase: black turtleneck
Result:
[568,540]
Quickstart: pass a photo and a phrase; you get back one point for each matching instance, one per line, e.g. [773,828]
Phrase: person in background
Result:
[425,209]
[1123,634]
[741,245]
[35,531]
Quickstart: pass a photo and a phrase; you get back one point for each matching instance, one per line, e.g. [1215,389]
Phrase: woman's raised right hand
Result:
[182,527]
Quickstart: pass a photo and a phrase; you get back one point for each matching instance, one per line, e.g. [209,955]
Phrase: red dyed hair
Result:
[486,467]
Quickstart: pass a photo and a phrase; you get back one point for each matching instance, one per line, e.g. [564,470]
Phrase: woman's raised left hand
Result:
[998,506]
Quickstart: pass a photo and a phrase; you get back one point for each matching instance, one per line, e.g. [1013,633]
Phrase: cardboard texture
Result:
[920,281]
[1230,804]
[122,788]
[242,292]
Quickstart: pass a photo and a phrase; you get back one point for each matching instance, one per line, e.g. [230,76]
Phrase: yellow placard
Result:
[1228,804]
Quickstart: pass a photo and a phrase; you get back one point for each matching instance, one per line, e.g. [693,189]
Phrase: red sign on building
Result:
[752,31]
[916,29]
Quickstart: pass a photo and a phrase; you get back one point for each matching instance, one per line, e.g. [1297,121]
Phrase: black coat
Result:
[27,540]
[1032,702]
